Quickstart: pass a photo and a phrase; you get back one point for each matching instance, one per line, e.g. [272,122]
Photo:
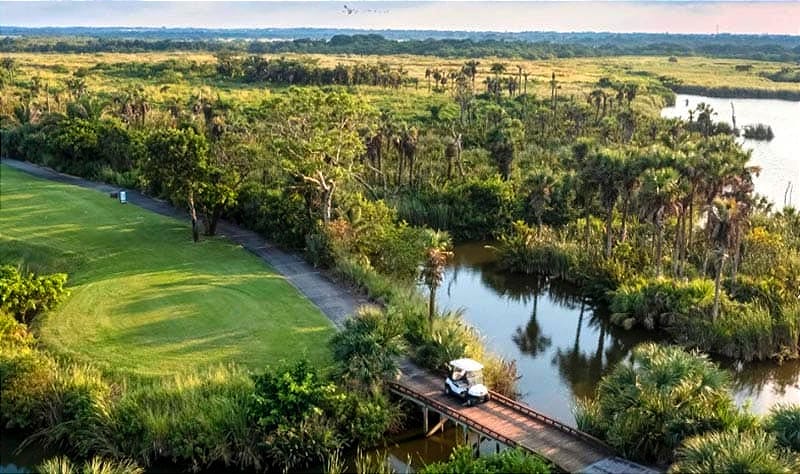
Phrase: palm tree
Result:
[733,451]
[704,118]
[511,85]
[497,69]
[723,215]
[540,186]
[133,105]
[606,167]
[554,90]
[632,167]
[658,195]
[87,107]
[437,256]
[27,113]
[602,171]
[470,70]
[428,74]
[596,98]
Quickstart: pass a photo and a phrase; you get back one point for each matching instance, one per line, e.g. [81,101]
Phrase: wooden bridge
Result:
[512,424]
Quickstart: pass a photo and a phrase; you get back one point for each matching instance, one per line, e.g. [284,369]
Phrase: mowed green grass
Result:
[145,300]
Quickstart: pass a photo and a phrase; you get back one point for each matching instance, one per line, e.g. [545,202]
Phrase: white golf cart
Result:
[465,379]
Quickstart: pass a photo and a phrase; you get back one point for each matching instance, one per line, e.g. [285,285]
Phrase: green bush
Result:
[646,408]
[733,452]
[279,215]
[656,302]
[26,375]
[476,209]
[26,295]
[195,420]
[784,423]
[560,256]
[743,331]
[300,445]
[74,405]
[288,394]
[368,346]
[365,419]
[512,461]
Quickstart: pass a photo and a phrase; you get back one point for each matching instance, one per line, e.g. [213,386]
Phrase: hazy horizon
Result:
[677,17]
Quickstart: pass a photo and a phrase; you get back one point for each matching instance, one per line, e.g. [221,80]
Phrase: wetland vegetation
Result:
[372,166]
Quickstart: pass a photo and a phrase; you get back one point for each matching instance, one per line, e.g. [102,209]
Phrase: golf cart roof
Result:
[468,365]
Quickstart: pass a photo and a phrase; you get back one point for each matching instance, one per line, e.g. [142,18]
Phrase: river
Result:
[779,158]
[564,345]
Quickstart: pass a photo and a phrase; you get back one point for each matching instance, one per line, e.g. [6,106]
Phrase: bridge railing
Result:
[528,411]
[453,414]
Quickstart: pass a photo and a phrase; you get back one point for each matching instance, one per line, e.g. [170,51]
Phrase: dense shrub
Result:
[299,445]
[367,348]
[647,407]
[288,394]
[279,215]
[744,331]
[366,418]
[194,420]
[759,131]
[784,423]
[26,295]
[370,231]
[512,461]
[473,210]
[655,303]
[25,376]
[733,452]
[545,252]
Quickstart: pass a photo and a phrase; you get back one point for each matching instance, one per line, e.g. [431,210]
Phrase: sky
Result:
[616,16]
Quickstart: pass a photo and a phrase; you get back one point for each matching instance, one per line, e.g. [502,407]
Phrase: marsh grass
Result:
[733,451]
[62,465]
[783,421]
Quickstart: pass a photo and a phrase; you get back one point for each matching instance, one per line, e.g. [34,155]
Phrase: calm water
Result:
[779,159]
[562,345]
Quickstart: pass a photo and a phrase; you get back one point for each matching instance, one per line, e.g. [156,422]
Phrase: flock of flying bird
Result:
[352,10]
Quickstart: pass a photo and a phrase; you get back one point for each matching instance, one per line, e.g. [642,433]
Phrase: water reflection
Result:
[563,344]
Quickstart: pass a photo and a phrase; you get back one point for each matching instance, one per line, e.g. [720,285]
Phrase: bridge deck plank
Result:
[565,449]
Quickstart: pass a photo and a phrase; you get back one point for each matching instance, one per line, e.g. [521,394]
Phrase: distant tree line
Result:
[777,48]
[307,72]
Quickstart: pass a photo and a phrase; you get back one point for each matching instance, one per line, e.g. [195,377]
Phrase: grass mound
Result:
[144,299]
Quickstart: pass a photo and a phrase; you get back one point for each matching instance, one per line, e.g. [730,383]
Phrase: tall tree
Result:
[723,215]
[470,69]
[177,161]
[437,255]
[658,197]
[540,188]
[503,142]
[605,168]
[318,136]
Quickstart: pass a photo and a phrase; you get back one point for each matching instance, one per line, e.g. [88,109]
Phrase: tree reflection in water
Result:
[579,359]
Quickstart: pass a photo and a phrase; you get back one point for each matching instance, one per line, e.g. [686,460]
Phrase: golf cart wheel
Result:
[447,389]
